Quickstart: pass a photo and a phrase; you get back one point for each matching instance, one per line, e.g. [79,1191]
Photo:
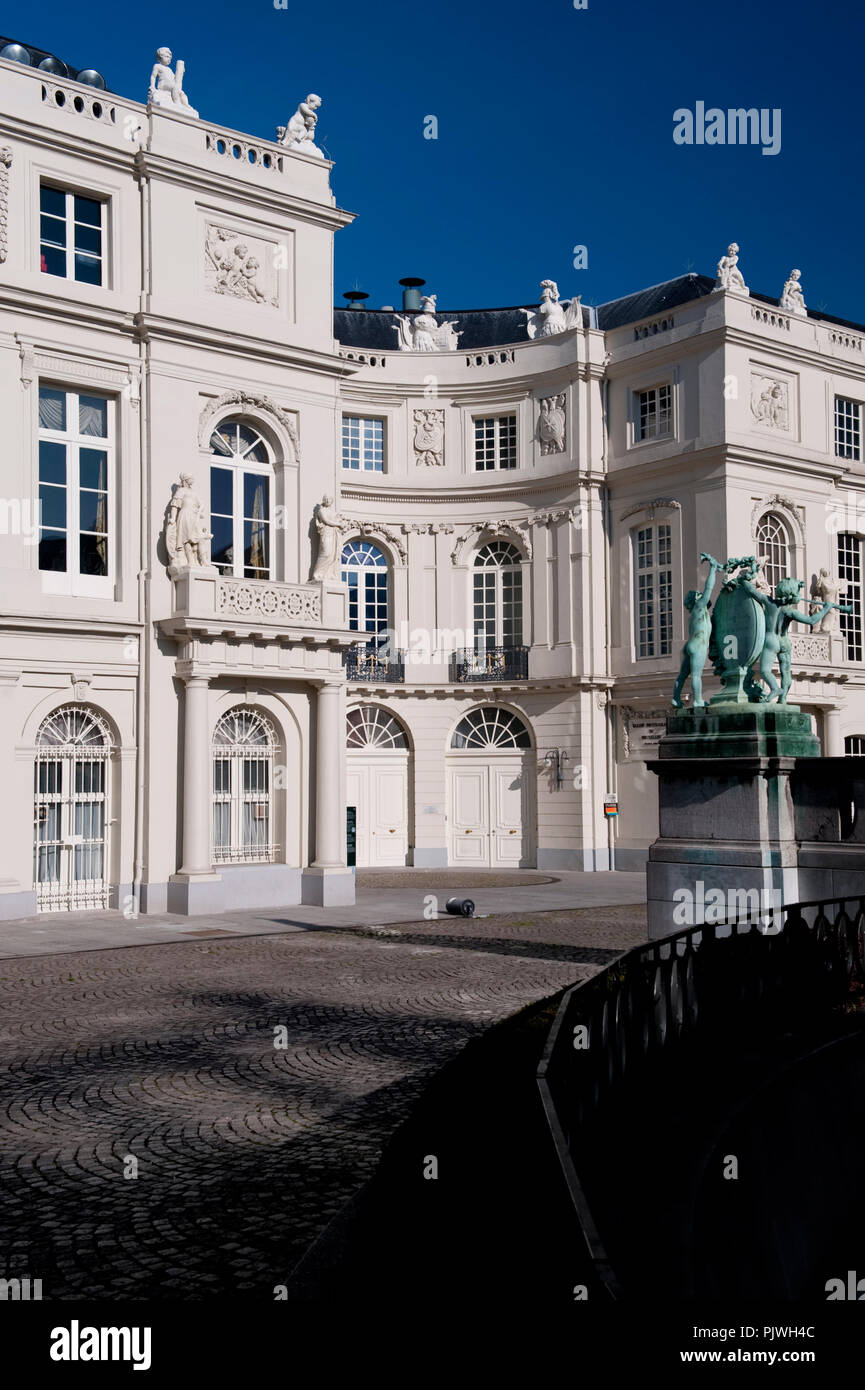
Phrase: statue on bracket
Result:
[792,297]
[166,87]
[730,276]
[329,526]
[424,333]
[187,538]
[551,316]
[299,134]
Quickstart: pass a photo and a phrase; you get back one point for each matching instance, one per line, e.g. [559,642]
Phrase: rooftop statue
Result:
[792,297]
[424,333]
[730,276]
[551,316]
[166,87]
[299,134]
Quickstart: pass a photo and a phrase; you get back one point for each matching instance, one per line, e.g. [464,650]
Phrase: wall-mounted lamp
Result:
[555,761]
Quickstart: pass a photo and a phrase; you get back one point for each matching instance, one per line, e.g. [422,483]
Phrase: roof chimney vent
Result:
[355,298]
[411,292]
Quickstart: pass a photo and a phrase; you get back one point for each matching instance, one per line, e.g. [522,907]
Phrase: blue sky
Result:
[554,130]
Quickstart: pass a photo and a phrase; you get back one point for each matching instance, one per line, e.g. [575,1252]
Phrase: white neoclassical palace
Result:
[261,561]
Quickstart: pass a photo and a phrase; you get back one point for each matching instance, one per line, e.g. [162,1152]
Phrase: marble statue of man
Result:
[730,276]
[186,533]
[828,590]
[166,87]
[696,648]
[792,297]
[781,611]
[330,526]
[299,134]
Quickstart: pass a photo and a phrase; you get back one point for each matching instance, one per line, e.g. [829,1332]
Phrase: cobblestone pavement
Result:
[163,1057]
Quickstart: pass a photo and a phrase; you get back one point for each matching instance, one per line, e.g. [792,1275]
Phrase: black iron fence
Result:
[490,664]
[374,663]
[621,1033]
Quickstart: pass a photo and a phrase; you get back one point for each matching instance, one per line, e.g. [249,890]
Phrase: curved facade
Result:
[477,651]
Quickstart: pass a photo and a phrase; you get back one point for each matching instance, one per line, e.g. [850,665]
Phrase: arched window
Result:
[370,726]
[241,486]
[71,787]
[364,570]
[244,743]
[491,728]
[498,597]
[773,546]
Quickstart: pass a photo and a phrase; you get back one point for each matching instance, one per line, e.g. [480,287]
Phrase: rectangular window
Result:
[653,554]
[848,429]
[363,444]
[850,569]
[75,482]
[854,745]
[654,414]
[496,442]
[71,235]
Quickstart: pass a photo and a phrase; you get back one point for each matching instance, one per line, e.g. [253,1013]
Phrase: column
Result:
[196,778]
[329,810]
[833,745]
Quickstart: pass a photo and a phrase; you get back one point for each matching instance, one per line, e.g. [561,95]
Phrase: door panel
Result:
[469,816]
[357,791]
[378,786]
[510,813]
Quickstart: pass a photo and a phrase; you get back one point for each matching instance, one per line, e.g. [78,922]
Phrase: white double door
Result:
[378,787]
[491,803]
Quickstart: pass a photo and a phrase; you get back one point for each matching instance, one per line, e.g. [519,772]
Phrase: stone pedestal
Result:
[750,817]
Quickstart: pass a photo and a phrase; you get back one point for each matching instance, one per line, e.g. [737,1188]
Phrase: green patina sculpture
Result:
[746,625]
[699,635]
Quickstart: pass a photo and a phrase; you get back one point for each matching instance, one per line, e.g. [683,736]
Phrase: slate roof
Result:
[375,329]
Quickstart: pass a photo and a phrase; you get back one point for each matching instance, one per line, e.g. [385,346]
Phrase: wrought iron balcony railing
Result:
[490,664]
[373,663]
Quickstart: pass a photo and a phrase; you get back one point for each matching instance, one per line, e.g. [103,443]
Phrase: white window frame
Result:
[789,546]
[480,641]
[238,466]
[855,426]
[852,625]
[655,570]
[496,417]
[70,580]
[70,194]
[636,414]
[362,421]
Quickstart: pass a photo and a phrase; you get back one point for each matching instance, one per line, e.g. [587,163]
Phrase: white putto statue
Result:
[166,87]
[793,300]
[730,276]
[424,333]
[187,538]
[299,134]
[551,316]
[329,526]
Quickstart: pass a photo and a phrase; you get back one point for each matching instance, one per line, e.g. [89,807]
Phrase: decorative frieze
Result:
[5,163]
[297,603]
[262,404]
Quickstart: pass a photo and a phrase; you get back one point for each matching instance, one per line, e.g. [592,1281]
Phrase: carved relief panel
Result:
[241,266]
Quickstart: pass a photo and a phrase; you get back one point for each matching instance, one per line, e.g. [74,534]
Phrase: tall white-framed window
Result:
[848,428]
[72,235]
[773,547]
[495,442]
[71,785]
[244,746]
[653,412]
[76,491]
[850,569]
[497,596]
[241,501]
[653,590]
[854,746]
[363,443]
[365,571]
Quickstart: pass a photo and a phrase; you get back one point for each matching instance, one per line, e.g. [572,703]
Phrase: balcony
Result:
[375,664]
[470,664]
[206,602]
